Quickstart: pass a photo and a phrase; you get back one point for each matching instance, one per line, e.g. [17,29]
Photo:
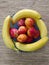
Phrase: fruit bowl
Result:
[25,13]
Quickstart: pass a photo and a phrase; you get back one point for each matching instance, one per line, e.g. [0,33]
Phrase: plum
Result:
[37,34]
[13,32]
[29,39]
[21,22]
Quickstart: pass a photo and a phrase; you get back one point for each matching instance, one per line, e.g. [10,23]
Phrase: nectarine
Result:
[31,32]
[22,38]
[29,22]
[22,30]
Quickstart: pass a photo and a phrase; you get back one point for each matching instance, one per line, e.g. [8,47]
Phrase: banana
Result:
[5,33]
[32,47]
[26,13]
[42,27]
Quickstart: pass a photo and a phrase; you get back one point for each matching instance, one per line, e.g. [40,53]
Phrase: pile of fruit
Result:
[25,30]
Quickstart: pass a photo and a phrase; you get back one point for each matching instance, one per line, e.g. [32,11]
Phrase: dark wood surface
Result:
[10,57]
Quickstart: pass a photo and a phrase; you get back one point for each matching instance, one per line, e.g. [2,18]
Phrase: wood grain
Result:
[10,57]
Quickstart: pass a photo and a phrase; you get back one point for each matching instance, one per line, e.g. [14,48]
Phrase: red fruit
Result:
[22,38]
[37,34]
[22,30]
[31,32]
[29,22]
[13,32]
[21,22]
[29,39]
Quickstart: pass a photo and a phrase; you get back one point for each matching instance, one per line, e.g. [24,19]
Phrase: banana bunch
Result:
[25,47]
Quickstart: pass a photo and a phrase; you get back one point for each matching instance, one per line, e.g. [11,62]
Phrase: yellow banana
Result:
[5,33]
[26,13]
[42,27]
[32,47]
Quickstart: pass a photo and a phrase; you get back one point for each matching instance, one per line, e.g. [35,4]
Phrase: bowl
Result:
[17,45]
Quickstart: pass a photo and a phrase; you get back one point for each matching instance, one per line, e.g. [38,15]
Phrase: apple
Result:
[29,22]
[21,22]
[22,30]
[13,32]
[31,32]
[22,38]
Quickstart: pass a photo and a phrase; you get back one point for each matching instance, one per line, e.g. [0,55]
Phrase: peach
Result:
[29,39]
[13,32]
[22,38]
[22,30]
[21,22]
[29,22]
[31,32]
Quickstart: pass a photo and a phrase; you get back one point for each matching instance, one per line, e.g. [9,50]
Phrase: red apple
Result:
[29,39]
[37,34]
[21,22]
[22,38]
[29,22]
[31,32]
[13,32]
[22,30]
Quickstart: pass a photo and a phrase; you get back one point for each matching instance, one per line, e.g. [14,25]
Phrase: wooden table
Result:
[10,57]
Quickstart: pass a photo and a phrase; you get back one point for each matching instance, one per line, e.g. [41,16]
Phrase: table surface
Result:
[10,57]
